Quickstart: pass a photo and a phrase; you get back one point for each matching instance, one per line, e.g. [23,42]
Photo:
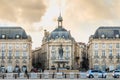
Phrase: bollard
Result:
[15,76]
[65,76]
[3,76]
[77,76]
[40,76]
[53,76]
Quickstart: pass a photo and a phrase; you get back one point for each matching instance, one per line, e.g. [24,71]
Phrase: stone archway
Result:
[2,68]
[17,68]
[24,68]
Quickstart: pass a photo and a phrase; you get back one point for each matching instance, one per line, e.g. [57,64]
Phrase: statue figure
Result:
[61,52]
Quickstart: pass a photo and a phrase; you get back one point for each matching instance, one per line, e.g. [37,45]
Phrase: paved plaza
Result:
[48,76]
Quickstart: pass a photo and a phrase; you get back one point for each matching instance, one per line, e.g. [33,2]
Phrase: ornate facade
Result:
[58,49]
[15,49]
[104,48]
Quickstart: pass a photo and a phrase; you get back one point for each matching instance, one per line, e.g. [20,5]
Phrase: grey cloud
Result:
[31,10]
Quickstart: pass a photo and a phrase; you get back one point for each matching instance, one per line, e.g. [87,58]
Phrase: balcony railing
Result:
[118,56]
[53,58]
[10,61]
[17,57]
[96,56]
[9,57]
[103,56]
[110,56]
[67,58]
[24,57]
[2,57]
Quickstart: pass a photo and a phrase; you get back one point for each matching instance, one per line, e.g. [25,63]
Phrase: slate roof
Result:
[108,32]
[60,32]
[12,32]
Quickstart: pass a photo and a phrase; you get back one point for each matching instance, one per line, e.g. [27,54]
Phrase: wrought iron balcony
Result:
[17,57]
[118,61]
[67,58]
[24,57]
[53,58]
[103,56]
[24,61]
[9,61]
[118,56]
[9,57]
[2,57]
[96,56]
[110,56]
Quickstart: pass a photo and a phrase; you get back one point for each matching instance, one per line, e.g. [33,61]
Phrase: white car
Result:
[116,74]
[96,73]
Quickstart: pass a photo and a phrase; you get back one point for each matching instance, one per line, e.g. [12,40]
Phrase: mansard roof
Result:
[107,32]
[12,33]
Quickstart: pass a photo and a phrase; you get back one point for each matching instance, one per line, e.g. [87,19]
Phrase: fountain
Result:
[60,60]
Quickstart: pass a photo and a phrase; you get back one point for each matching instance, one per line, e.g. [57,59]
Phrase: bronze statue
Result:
[61,52]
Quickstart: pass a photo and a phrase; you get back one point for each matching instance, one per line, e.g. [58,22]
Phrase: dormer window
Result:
[17,36]
[56,36]
[3,36]
[117,35]
[103,36]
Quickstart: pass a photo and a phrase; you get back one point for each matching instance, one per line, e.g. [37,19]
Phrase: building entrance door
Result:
[24,68]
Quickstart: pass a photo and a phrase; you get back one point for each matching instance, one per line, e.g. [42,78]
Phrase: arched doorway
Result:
[17,68]
[24,68]
[2,69]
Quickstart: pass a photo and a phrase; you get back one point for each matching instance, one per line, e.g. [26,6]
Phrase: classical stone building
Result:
[15,49]
[81,55]
[59,38]
[104,48]
[58,49]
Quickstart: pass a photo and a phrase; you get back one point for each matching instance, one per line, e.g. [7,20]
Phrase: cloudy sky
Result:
[81,17]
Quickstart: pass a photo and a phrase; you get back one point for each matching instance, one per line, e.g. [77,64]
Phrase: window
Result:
[110,46]
[10,46]
[110,52]
[17,46]
[3,36]
[96,53]
[117,45]
[67,48]
[10,53]
[17,53]
[24,45]
[67,54]
[118,52]
[3,46]
[95,45]
[103,52]
[96,67]
[53,47]
[3,53]
[103,45]
[25,53]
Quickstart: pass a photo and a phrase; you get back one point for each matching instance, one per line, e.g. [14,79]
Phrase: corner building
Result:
[15,49]
[49,55]
[104,48]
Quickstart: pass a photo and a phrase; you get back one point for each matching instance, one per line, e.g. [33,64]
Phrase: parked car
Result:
[96,73]
[116,74]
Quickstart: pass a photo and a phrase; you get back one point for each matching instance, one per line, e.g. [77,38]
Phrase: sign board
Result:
[33,75]
[82,75]
[72,76]
[46,75]
[21,75]
[9,75]
[59,75]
